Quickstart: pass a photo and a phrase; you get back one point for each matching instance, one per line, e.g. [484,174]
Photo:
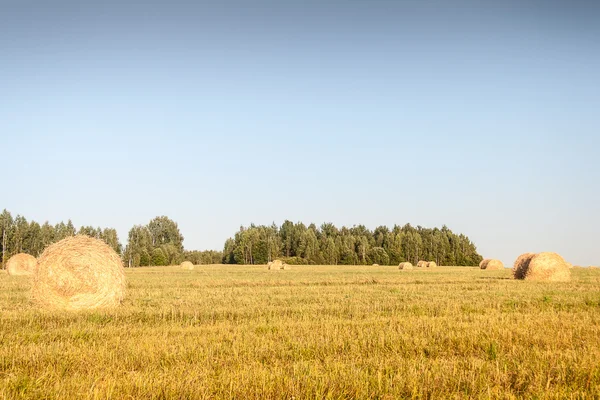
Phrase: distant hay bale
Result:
[491,264]
[375,265]
[422,264]
[521,265]
[21,264]
[187,265]
[431,264]
[285,266]
[78,273]
[405,265]
[276,264]
[548,266]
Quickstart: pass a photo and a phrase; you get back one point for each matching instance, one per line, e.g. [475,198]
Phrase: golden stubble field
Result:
[310,332]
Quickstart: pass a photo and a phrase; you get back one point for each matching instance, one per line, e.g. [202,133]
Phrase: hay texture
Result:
[79,273]
[548,267]
[491,264]
[375,265]
[21,264]
[405,265]
[431,264]
[285,266]
[187,265]
[421,264]
[521,265]
[276,264]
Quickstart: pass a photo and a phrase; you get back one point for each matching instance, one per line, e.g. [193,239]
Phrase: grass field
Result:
[310,332]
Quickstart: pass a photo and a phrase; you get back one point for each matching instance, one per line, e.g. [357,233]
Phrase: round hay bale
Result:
[21,264]
[431,264]
[375,265]
[275,264]
[521,265]
[78,273]
[405,265]
[548,266]
[269,264]
[483,263]
[187,265]
[492,265]
[422,264]
[285,266]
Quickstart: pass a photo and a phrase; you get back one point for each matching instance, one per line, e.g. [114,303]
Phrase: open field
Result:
[310,332]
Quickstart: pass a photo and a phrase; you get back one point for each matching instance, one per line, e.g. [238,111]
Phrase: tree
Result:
[165,231]
[158,257]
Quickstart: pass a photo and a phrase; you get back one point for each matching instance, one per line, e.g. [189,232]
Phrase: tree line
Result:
[161,243]
[17,235]
[297,243]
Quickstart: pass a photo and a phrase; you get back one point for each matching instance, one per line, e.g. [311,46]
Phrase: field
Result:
[310,332]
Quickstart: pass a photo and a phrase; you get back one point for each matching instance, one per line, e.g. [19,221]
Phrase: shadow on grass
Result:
[496,277]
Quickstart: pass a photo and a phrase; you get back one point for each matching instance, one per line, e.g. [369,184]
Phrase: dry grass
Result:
[79,272]
[21,264]
[316,332]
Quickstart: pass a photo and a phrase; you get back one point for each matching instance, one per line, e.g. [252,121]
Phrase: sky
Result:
[480,115]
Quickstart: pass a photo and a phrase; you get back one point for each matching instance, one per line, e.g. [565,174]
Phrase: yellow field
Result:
[310,332]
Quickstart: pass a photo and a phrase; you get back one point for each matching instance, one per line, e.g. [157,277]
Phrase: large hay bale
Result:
[275,264]
[21,264]
[569,265]
[521,265]
[547,266]
[187,265]
[285,266]
[422,264]
[78,273]
[405,265]
[431,264]
[491,264]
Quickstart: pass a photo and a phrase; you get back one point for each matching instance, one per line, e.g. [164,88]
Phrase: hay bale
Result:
[21,264]
[491,264]
[275,264]
[187,265]
[405,265]
[422,264]
[431,264]
[521,265]
[375,265]
[78,273]
[569,265]
[285,266]
[548,266]
[269,264]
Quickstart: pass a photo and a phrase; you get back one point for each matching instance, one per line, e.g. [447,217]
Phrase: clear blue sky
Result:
[481,115]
